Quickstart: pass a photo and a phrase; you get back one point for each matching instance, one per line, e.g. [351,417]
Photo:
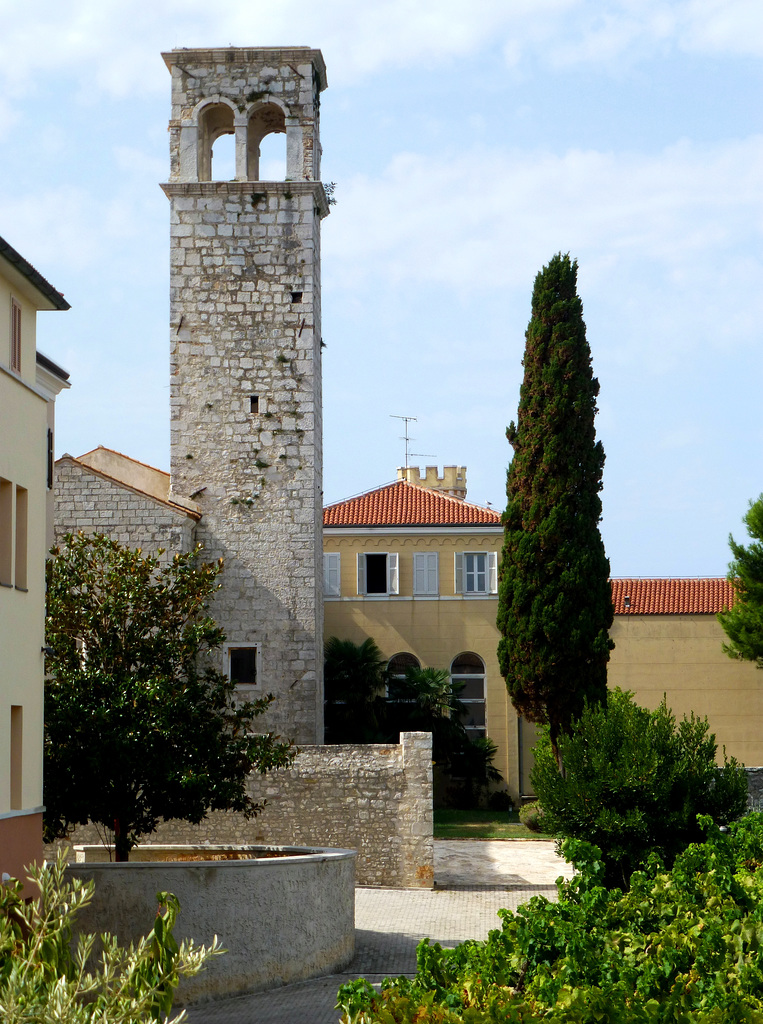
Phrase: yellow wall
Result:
[23,462]
[681,656]
[434,629]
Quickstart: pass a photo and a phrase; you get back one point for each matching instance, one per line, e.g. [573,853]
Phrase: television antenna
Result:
[405,437]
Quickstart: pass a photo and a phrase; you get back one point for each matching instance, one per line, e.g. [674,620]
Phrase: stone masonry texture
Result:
[92,503]
[245,365]
[372,798]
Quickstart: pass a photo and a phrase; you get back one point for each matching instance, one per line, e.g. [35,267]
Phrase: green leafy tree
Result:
[137,728]
[634,783]
[354,681]
[554,600]
[45,978]
[743,622]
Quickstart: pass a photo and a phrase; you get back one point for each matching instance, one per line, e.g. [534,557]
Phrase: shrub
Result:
[634,783]
[681,947]
[499,800]
[531,816]
[46,979]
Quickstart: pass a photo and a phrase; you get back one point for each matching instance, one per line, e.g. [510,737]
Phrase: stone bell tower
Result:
[245,362]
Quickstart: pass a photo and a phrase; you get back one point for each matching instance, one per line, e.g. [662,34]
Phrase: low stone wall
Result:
[281,919]
[372,798]
[755,788]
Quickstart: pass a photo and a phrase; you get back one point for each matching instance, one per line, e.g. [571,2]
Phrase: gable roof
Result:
[404,504]
[52,299]
[672,596]
[136,476]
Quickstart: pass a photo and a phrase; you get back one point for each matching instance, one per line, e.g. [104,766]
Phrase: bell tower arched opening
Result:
[268,119]
[215,120]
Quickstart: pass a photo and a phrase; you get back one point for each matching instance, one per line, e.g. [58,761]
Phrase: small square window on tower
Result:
[254,405]
[296,296]
[242,665]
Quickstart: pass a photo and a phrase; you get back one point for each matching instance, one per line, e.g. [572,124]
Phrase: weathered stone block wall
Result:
[245,366]
[755,788]
[87,501]
[372,798]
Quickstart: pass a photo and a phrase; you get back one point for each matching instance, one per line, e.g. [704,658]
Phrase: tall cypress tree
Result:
[554,597]
[743,622]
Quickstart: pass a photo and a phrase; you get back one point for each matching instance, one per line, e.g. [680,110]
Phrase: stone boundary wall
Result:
[755,788]
[373,798]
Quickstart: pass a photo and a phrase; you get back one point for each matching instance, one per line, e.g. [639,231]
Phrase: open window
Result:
[377,573]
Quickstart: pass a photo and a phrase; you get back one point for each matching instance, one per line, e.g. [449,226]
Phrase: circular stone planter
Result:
[283,913]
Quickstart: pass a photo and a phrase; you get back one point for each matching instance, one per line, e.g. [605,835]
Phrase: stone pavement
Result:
[474,879]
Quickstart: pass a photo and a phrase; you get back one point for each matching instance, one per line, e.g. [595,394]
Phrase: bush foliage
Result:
[47,979]
[634,782]
[680,947]
[531,816]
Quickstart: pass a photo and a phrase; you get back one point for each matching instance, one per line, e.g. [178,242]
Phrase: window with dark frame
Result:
[467,673]
[50,459]
[242,665]
[397,667]
[6,533]
[15,336]
[376,574]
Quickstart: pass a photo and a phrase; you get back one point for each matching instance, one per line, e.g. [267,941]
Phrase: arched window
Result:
[224,158]
[397,666]
[266,161]
[214,120]
[468,672]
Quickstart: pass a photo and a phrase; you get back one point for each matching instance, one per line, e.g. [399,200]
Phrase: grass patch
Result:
[482,825]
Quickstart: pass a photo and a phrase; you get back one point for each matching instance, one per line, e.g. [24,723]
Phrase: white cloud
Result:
[113,47]
[428,218]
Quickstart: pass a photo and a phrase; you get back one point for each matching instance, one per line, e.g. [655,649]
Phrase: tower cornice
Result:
[179,189]
[246,55]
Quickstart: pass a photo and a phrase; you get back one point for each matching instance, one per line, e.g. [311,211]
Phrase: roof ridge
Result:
[130,458]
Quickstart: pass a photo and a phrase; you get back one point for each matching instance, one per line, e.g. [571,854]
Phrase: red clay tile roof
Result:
[671,597]
[404,504]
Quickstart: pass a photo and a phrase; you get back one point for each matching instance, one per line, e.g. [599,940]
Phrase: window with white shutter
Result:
[425,573]
[392,575]
[332,574]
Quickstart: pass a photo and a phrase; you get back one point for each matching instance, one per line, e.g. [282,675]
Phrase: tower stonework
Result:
[245,362]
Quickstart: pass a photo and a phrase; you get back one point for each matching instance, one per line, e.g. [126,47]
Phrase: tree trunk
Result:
[555,731]
[121,843]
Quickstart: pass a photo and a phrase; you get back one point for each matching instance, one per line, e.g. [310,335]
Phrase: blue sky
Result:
[469,144]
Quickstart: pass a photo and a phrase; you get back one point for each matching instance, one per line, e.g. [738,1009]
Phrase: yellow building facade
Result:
[414,566]
[28,385]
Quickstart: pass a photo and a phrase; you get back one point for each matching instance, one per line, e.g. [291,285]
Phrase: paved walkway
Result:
[474,880]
